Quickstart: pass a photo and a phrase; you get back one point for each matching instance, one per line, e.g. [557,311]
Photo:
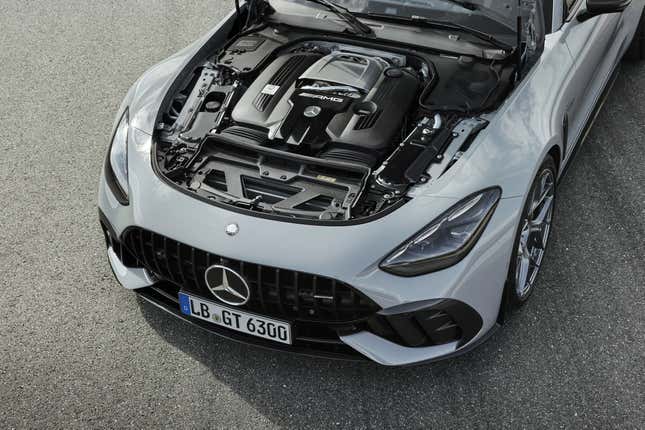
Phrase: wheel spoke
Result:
[523,274]
[541,217]
[534,261]
[545,196]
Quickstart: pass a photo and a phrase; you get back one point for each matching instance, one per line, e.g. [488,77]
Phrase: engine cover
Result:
[340,100]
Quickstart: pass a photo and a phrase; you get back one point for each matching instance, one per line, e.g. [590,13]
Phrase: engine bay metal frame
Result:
[261,178]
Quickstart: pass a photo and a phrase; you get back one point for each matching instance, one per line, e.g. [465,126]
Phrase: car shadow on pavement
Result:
[299,391]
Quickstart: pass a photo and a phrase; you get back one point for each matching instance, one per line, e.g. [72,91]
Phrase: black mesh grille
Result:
[274,292]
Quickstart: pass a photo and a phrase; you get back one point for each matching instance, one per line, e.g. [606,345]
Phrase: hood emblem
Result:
[227,285]
[232,229]
[312,111]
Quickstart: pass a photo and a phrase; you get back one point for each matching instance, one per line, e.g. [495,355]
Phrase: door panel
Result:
[594,48]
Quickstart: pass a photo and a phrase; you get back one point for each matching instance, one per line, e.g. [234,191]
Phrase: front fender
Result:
[520,134]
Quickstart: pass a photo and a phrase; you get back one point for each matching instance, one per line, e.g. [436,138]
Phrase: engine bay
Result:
[320,128]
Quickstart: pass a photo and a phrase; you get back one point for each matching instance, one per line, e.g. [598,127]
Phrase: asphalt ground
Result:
[78,351]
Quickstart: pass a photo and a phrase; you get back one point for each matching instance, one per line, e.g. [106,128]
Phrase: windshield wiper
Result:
[347,16]
[444,25]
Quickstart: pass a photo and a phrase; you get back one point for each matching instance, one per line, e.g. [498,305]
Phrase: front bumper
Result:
[328,317]
[356,347]
[349,254]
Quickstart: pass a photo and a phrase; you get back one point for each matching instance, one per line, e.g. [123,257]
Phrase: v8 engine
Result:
[346,104]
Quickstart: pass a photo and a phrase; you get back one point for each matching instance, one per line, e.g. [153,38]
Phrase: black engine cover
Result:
[373,121]
[295,99]
[310,115]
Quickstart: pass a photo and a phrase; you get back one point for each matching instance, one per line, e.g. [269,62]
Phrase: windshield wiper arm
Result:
[347,16]
[421,20]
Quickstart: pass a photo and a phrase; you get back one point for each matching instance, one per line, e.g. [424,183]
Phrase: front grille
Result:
[318,306]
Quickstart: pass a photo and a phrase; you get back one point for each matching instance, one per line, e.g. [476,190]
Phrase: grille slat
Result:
[296,287]
[278,287]
[315,293]
[167,266]
[180,264]
[193,265]
[260,290]
[143,250]
[276,292]
[155,254]
[333,291]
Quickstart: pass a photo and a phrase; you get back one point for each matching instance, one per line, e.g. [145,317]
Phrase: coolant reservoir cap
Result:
[213,106]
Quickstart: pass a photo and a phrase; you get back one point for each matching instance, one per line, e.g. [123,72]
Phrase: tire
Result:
[530,248]
[636,51]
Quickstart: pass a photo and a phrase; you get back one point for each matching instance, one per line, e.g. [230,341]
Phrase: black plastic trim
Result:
[590,122]
[106,223]
[275,217]
[462,351]
[406,317]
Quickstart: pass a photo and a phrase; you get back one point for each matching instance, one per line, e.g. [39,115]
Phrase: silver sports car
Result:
[358,178]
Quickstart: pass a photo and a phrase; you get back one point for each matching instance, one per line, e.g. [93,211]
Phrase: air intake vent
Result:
[255,136]
[350,156]
[380,97]
[426,323]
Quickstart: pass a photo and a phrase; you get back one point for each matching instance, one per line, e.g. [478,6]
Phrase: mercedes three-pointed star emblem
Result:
[227,285]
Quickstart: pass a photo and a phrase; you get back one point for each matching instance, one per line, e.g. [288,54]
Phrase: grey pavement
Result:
[78,351]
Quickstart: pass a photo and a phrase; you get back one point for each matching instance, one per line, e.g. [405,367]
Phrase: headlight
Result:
[117,160]
[447,240]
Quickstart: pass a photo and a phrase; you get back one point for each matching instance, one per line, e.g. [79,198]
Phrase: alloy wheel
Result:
[534,235]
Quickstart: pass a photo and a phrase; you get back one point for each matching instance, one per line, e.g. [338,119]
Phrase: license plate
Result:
[235,319]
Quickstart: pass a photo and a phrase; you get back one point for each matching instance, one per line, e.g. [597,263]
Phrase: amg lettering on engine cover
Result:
[322,97]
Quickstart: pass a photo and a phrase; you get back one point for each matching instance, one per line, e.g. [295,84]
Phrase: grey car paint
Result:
[567,81]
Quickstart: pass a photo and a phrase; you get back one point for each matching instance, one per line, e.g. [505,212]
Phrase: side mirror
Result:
[600,7]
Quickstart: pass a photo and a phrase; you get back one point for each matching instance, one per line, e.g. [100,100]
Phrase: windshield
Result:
[485,15]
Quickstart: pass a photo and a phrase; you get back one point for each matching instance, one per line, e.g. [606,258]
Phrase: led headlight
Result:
[447,240]
[117,160]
